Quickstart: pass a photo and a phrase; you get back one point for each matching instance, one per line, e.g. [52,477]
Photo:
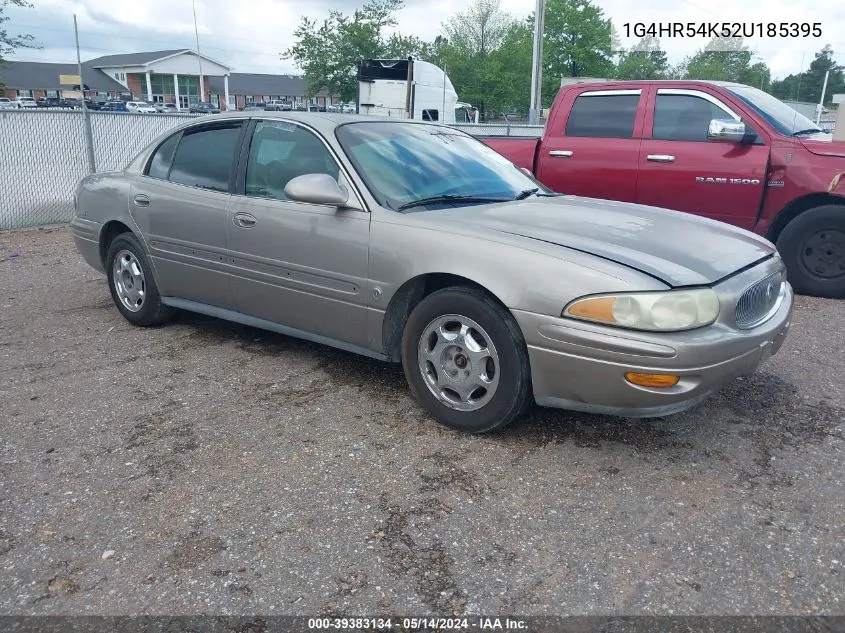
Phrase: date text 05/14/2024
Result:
[722,29]
[418,624]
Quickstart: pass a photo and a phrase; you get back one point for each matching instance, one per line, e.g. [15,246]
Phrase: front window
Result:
[405,162]
[779,115]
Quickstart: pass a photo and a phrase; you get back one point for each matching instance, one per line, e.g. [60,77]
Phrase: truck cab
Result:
[410,89]
[725,151]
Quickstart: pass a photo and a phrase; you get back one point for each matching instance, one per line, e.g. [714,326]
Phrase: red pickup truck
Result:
[725,151]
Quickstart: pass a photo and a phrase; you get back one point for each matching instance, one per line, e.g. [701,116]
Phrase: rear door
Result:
[180,205]
[680,169]
[592,147]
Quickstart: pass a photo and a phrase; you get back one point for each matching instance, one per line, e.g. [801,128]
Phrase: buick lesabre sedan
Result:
[415,243]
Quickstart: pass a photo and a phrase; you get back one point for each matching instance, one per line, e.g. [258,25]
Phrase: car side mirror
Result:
[727,131]
[317,189]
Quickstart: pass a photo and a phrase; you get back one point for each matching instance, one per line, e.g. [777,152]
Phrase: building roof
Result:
[133,59]
[261,84]
[44,76]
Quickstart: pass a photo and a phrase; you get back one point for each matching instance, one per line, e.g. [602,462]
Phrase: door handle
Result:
[563,153]
[141,200]
[244,220]
[661,158]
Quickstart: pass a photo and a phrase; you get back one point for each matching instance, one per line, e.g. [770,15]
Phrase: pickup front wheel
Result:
[813,249]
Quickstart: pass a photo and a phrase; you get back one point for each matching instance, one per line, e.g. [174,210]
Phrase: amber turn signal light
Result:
[652,380]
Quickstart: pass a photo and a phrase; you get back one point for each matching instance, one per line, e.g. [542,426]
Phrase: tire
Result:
[146,309]
[493,330]
[813,249]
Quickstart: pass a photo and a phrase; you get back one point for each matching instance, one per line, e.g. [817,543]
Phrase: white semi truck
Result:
[410,89]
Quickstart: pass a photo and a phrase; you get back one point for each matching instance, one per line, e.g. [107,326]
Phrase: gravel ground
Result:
[204,467]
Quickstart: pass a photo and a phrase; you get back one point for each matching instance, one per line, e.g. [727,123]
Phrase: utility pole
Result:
[86,115]
[199,56]
[537,68]
[821,99]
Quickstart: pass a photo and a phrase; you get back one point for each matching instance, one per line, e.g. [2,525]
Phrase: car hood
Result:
[823,145]
[676,248]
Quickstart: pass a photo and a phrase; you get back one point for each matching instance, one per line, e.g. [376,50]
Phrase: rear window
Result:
[205,156]
[603,116]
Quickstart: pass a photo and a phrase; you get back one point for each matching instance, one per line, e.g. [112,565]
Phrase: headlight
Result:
[671,311]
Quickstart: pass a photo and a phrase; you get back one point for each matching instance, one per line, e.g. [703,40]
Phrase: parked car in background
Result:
[350,108]
[725,151]
[166,108]
[203,107]
[309,226]
[53,102]
[279,105]
[114,106]
[95,103]
[140,107]
[25,102]
[253,107]
[6,104]
[301,107]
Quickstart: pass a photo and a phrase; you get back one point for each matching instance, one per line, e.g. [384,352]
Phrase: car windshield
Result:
[779,115]
[405,162]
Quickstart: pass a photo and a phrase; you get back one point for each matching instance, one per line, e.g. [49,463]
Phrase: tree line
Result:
[487,54]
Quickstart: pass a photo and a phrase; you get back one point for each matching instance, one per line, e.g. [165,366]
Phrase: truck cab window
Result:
[603,116]
[430,115]
[684,117]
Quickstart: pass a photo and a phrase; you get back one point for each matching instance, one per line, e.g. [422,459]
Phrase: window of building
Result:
[24,93]
[204,156]
[603,116]
[684,117]
[159,165]
[249,100]
[117,76]
[51,93]
[278,153]
[431,115]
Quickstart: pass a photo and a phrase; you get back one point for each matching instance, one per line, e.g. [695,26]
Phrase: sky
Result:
[249,35]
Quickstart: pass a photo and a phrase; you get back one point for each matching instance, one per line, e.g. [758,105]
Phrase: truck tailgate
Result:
[520,151]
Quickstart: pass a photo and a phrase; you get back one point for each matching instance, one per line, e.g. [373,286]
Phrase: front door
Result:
[300,265]
[594,152]
[680,169]
[180,205]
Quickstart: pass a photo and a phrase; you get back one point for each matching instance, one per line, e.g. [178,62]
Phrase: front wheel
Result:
[466,361]
[813,249]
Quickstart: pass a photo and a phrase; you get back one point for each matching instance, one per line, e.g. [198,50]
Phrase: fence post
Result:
[86,115]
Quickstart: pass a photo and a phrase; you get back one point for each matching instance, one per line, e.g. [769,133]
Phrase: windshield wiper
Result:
[522,195]
[812,130]
[449,198]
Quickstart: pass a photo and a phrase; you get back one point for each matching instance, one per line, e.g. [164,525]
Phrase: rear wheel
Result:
[813,249]
[131,282]
[466,361]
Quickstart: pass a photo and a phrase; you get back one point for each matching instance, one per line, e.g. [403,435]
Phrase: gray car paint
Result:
[354,274]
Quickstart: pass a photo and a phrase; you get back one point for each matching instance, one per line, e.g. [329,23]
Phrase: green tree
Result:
[328,53]
[807,86]
[644,61]
[483,51]
[10,42]
[727,59]
[577,43]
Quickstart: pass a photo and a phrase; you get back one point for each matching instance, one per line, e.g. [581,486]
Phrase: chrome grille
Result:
[759,302]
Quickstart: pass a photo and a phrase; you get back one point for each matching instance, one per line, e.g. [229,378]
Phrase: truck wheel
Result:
[466,361]
[813,249]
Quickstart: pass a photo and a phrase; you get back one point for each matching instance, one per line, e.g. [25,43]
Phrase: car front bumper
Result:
[582,367]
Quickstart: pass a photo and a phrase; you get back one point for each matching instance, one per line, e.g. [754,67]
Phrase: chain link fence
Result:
[43,158]
[43,155]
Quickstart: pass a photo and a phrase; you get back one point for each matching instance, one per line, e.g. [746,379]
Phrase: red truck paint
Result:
[789,189]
